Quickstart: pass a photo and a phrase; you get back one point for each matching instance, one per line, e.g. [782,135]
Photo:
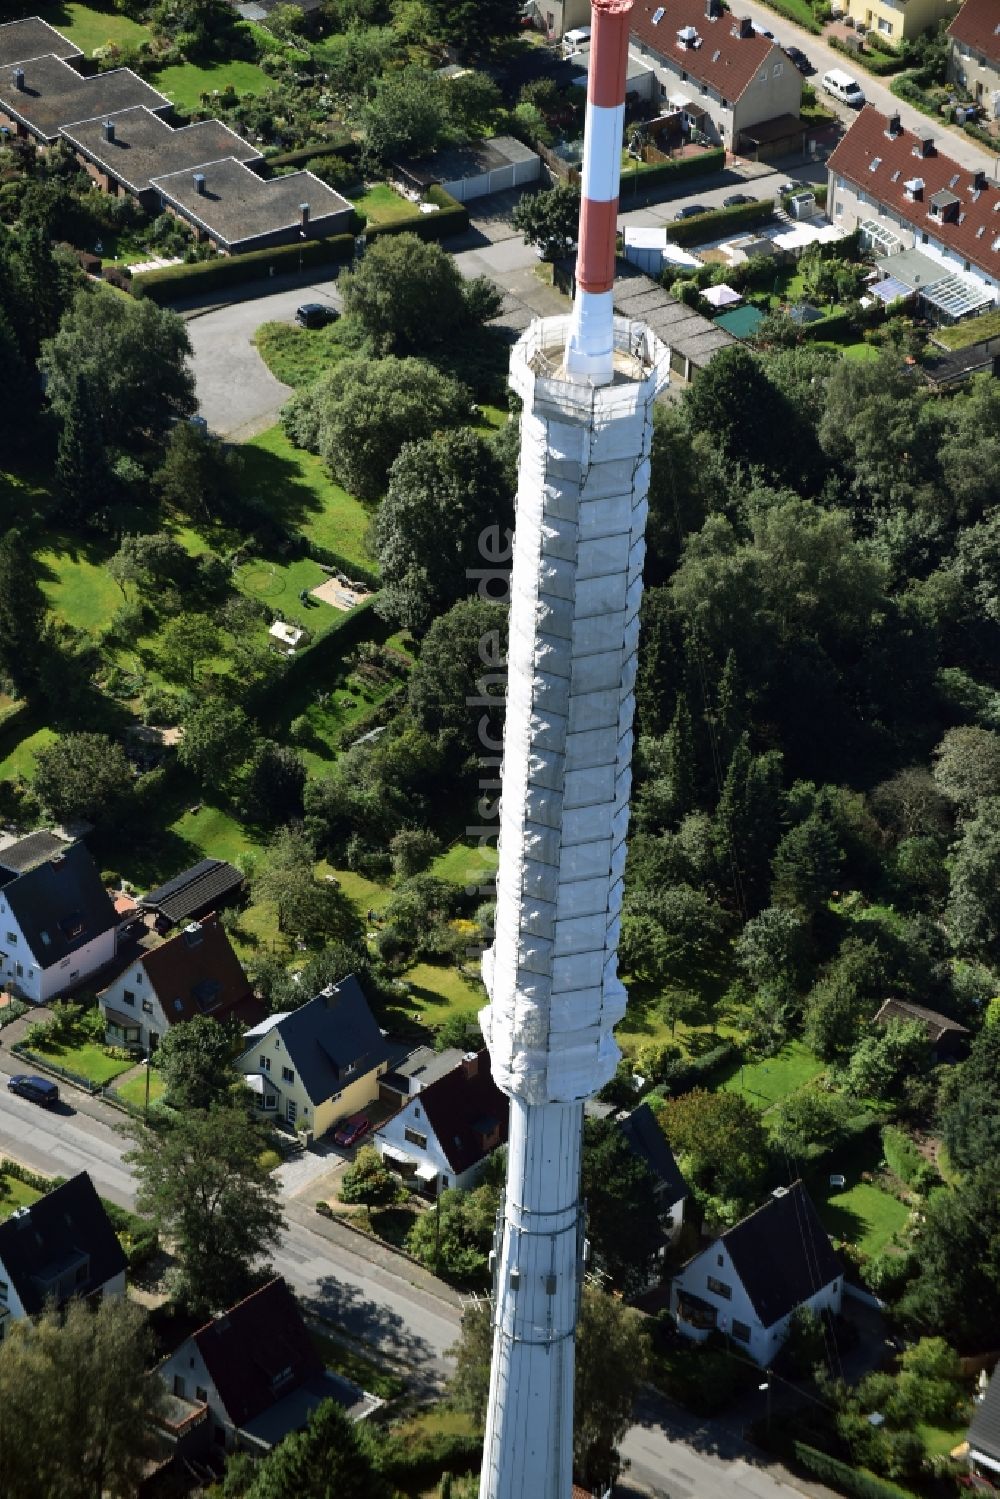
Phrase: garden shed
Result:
[475,170]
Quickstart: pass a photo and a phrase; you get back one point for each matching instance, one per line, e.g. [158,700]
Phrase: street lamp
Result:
[145,1108]
[766,1389]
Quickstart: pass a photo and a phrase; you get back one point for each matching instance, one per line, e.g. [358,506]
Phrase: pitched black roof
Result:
[984,1429]
[782,1254]
[647,1141]
[60,904]
[33,849]
[194,890]
[62,1246]
[332,1040]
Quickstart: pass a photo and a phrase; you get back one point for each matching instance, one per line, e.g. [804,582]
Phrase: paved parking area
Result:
[305,1171]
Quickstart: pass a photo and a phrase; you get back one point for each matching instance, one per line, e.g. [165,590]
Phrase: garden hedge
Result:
[142,1239]
[881,64]
[841,1476]
[349,150]
[719,221]
[416,1464]
[176,281]
[684,1074]
[325,557]
[905,1161]
[673,171]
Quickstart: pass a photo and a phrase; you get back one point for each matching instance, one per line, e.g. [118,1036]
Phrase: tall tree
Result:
[217,738]
[407,293]
[19,408]
[970,1121]
[76,1402]
[745,826]
[723,1144]
[956,1290]
[475,25]
[22,611]
[549,220]
[82,776]
[457,687]
[333,1458]
[314,910]
[81,462]
[622,1218]
[195,1061]
[806,865]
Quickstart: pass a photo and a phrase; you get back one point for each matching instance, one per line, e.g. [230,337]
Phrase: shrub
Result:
[720,221]
[841,1476]
[905,1160]
[367,1180]
[177,281]
[137,1236]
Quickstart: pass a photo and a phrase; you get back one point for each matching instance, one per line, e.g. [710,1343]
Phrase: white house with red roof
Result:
[444,1134]
[903,194]
[974,59]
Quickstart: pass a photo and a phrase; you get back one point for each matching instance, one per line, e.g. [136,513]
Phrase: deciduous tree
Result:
[82,776]
[195,1061]
[22,612]
[622,1219]
[723,1144]
[549,219]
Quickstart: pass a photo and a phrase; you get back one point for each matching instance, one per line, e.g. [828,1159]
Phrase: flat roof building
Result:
[33,37]
[39,95]
[124,151]
[227,203]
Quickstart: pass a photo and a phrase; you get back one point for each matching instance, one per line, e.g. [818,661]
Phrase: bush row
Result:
[417,1464]
[694,1072]
[881,63]
[841,325]
[315,662]
[141,1239]
[20,1173]
[715,224]
[685,166]
[13,1010]
[452,217]
[176,281]
[348,150]
[905,1161]
[906,88]
[841,1476]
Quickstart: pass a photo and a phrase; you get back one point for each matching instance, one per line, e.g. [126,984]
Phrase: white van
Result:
[843,87]
[573,40]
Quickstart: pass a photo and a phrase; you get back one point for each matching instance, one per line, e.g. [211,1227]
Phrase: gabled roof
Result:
[782,1254]
[464,1108]
[54,94]
[881,165]
[33,849]
[726,62]
[63,1245]
[143,145]
[978,25]
[60,905]
[258,1351]
[331,1040]
[193,890]
[935,1024]
[236,207]
[196,972]
[647,1141]
[33,37]
[984,1428]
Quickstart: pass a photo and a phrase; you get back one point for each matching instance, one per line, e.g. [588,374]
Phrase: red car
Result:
[353,1127]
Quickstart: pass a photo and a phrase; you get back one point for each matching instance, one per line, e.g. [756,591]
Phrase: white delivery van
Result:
[843,87]
[573,40]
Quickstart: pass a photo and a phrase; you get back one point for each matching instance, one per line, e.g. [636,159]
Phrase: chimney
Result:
[109,130]
[713,10]
[924,145]
[304,214]
[742,27]
[894,126]
[18,79]
[199,183]
[470,1064]
[978,181]
[193,934]
[914,189]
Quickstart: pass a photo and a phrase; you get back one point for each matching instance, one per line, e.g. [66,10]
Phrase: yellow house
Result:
[900,20]
[313,1066]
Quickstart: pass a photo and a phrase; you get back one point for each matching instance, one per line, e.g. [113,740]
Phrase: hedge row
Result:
[20,1173]
[350,630]
[844,324]
[910,92]
[349,150]
[880,65]
[670,171]
[176,281]
[797,14]
[905,1161]
[684,1074]
[417,1464]
[142,1239]
[715,224]
[452,217]
[853,1481]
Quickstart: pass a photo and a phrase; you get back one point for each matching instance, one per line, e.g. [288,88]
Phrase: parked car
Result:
[787,188]
[799,58]
[37,1089]
[735,199]
[840,85]
[315,315]
[352,1129]
[691,211]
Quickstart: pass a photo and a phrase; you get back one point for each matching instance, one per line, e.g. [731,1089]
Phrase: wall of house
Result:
[413,1118]
[8,1295]
[975,73]
[850,206]
[268,1056]
[776,90]
[21,973]
[735,1313]
[188,1366]
[144,1006]
[899,19]
[560,16]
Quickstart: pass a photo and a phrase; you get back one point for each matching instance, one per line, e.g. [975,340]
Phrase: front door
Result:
[291,1110]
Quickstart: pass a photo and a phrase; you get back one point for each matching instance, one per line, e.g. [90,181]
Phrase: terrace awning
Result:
[721,296]
[889,290]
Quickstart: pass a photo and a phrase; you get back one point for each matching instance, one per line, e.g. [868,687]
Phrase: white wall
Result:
[40,984]
[188,1365]
[150,1021]
[392,1133]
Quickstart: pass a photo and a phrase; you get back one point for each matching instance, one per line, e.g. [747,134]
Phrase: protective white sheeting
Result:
[802,235]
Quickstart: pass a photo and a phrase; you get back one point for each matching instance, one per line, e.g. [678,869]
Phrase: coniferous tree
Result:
[729,718]
[81,463]
[17,410]
[679,759]
[22,612]
[745,827]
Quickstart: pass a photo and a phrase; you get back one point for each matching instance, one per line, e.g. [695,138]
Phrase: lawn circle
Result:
[262,581]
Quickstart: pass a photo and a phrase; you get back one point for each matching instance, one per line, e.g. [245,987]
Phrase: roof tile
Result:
[978,25]
[726,61]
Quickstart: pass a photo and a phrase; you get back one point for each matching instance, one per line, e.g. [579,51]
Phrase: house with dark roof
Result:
[714,69]
[904,195]
[39,95]
[206,886]
[444,1134]
[947,1037]
[984,1434]
[33,37]
[57,922]
[750,1280]
[256,1371]
[194,972]
[123,152]
[318,1064]
[974,58]
[226,203]
[647,1141]
[61,1246]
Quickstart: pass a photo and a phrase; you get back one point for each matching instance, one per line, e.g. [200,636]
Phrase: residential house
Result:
[39,95]
[984,1434]
[414,1072]
[900,20]
[33,37]
[206,886]
[443,1136]
[61,1246]
[57,922]
[228,204]
[751,1279]
[256,1371]
[124,151]
[713,67]
[974,59]
[947,1037]
[194,972]
[647,1141]
[903,195]
[315,1065]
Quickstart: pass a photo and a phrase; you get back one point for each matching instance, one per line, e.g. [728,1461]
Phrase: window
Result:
[414,1137]
[885,26]
[762,77]
[138,975]
[444,1183]
[720,1259]
[719,1288]
[147,1007]
[128,995]
[19,967]
[265,1064]
[201,1394]
[779,68]
[4,1288]
[12,937]
[416,1113]
[741,1331]
[287,1075]
[290,1111]
[178,1386]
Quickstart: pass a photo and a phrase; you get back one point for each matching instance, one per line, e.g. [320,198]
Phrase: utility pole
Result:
[145,1107]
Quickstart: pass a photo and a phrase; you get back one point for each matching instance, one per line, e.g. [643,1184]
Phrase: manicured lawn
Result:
[331,720]
[860,352]
[20,761]
[440,991]
[87,1059]
[134,1091]
[366,894]
[381,204]
[861,1214]
[185,83]
[298,356]
[79,588]
[939,1440]
[302,495]
[465,865]
[767,1082]
[214,834]
[14,1194]
[92,26]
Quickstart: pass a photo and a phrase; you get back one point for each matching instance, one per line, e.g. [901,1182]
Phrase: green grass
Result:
[381,204]
[860,352]
[185,83]
[972,331]
[92,26]
[15,1194]
[354,1366]
[302,495]
[439,991]
[767,1082]
[77,585]
[20,761]
[464,865]
[87,1059]
[860,1213]
[134,1091]
[366,894]
[298,356]
[939,1440]
[214,834]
